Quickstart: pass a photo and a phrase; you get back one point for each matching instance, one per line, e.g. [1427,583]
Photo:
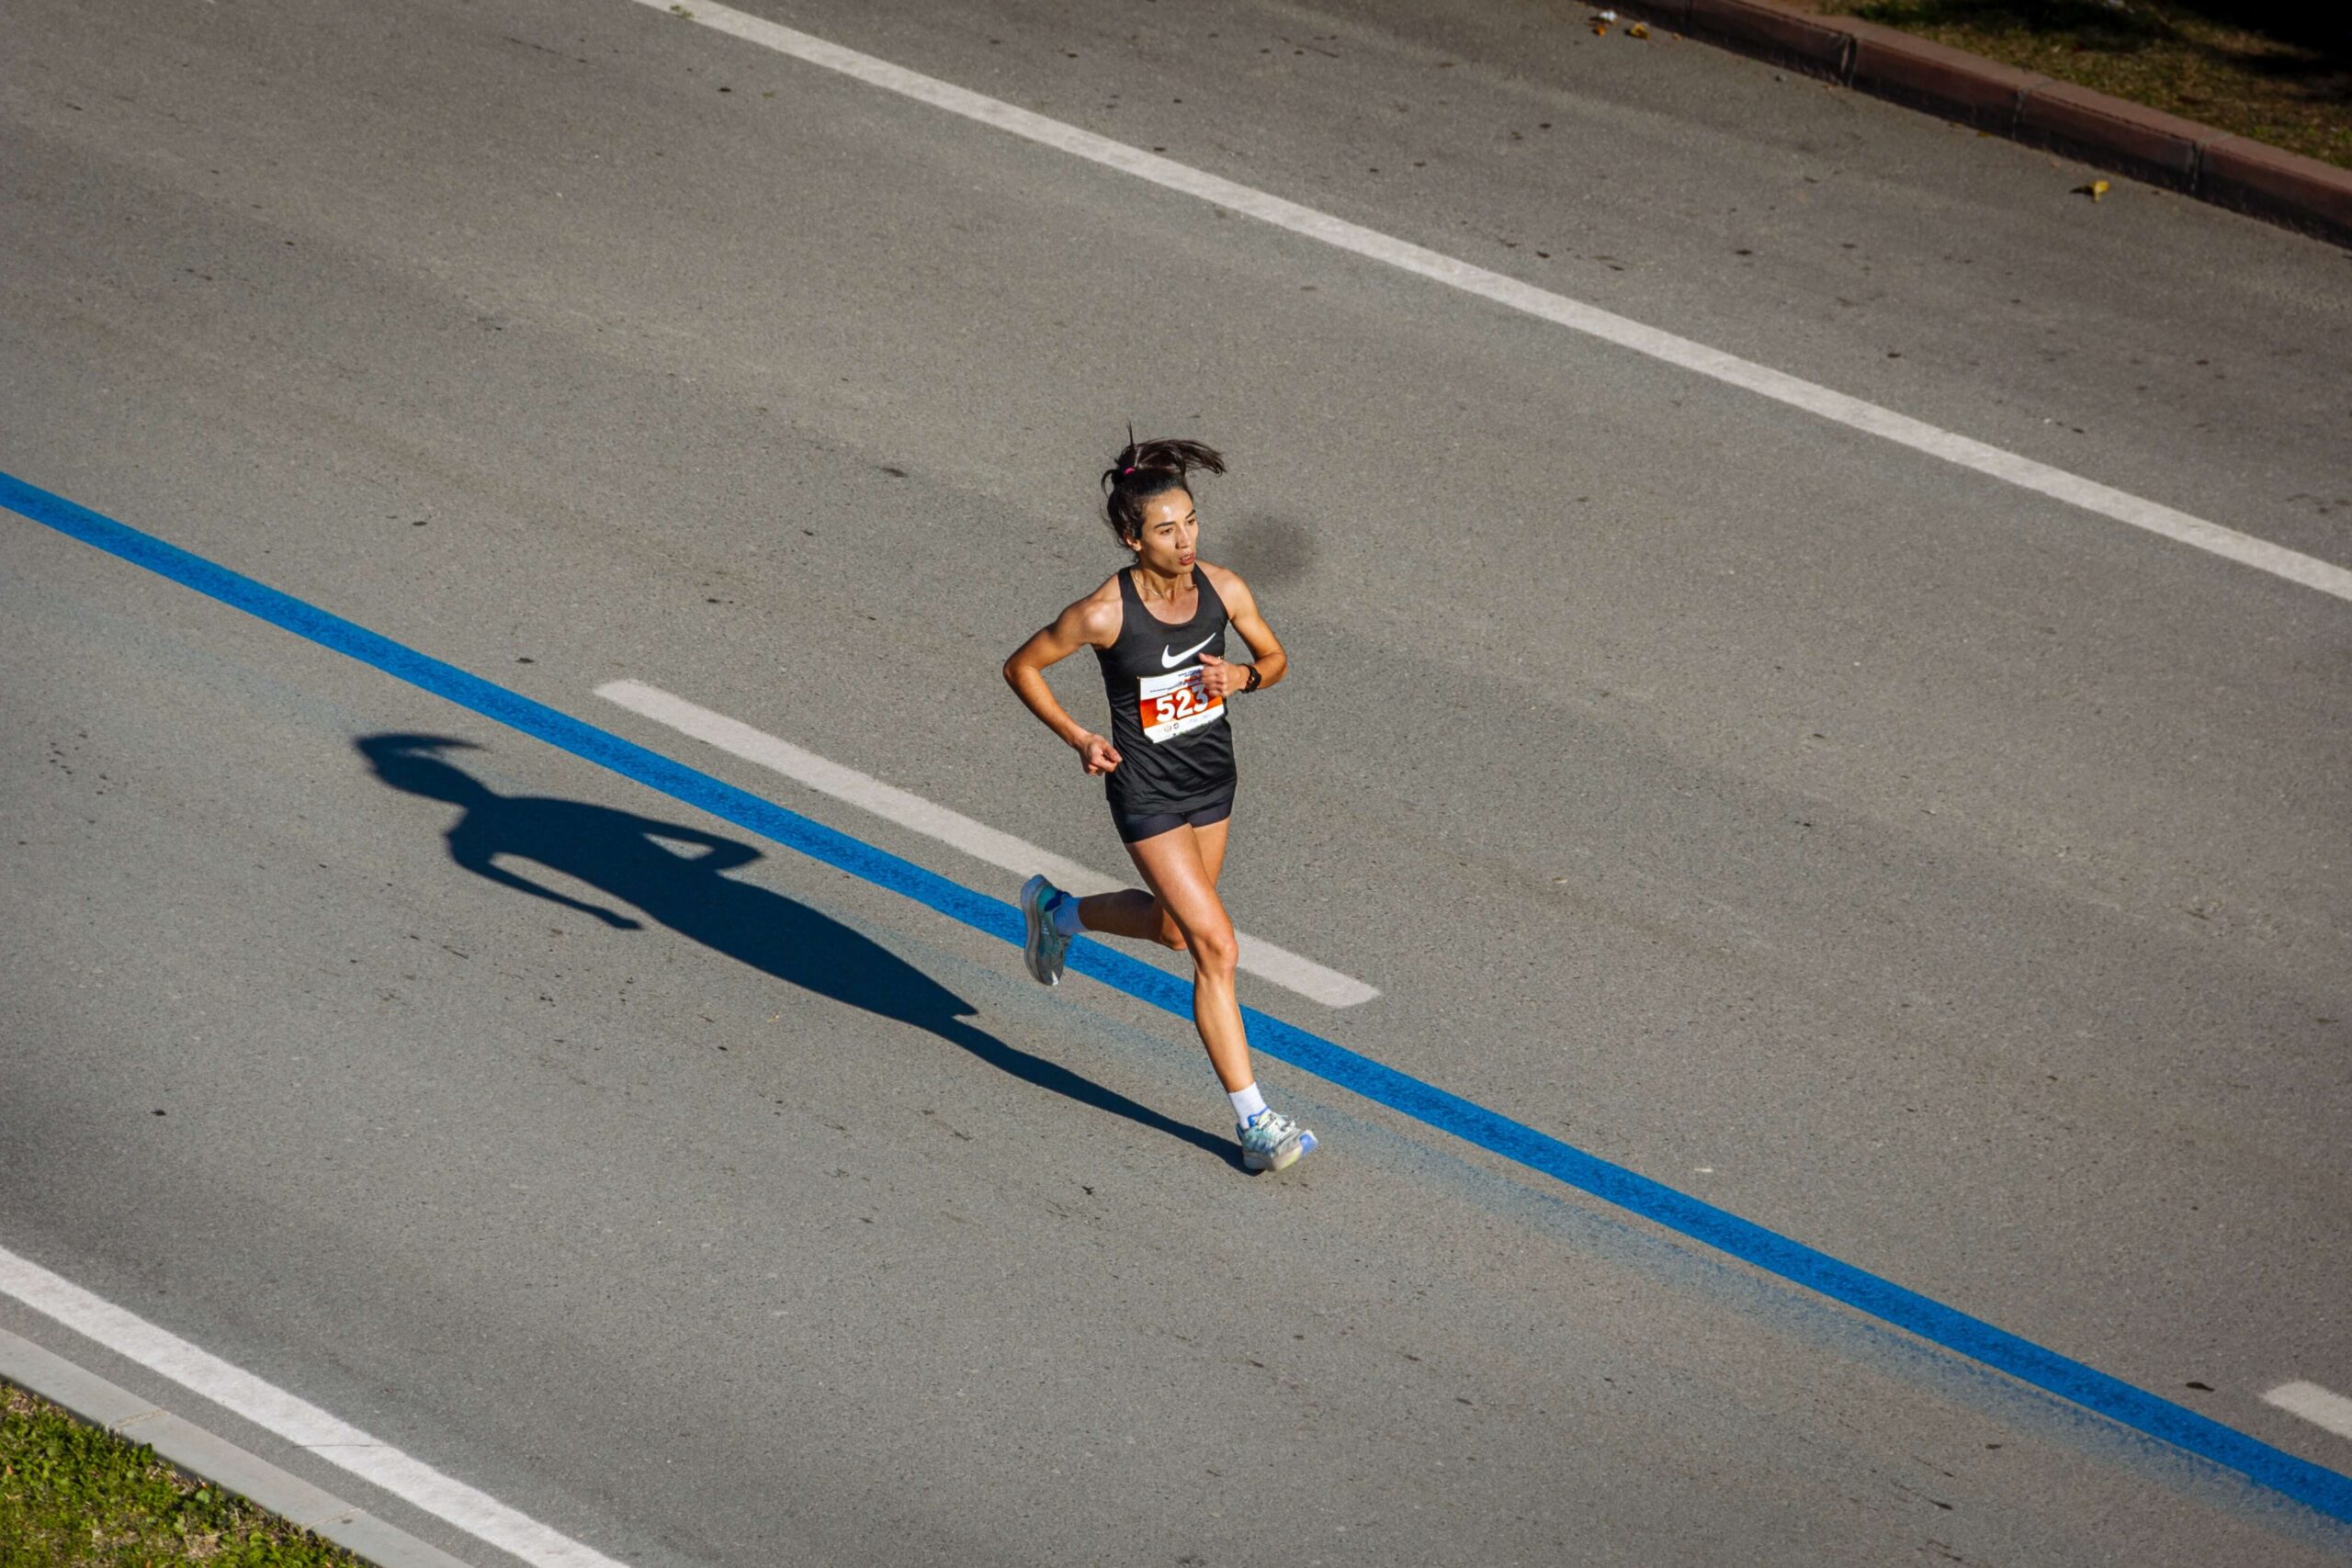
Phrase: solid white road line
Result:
[2320,1406]
[300,1423]
[979,840]
[1901,429]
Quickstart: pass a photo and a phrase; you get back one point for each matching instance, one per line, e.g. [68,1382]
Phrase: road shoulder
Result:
[2110,132]
[209,1457]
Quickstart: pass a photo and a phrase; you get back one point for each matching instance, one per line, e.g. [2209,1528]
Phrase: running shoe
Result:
[1272,1141]
[1044,947]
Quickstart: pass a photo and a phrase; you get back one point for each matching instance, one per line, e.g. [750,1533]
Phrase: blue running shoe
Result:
[1272,1141]
[1044,947]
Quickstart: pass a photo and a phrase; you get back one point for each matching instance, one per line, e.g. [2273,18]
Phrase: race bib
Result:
[1174,704]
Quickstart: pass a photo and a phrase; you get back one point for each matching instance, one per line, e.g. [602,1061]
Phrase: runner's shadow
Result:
[627,858]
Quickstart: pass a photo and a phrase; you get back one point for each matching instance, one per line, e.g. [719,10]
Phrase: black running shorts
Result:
[1134,830]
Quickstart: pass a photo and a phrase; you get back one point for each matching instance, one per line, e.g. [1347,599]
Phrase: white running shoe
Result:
[1272,1141]
[1044,947]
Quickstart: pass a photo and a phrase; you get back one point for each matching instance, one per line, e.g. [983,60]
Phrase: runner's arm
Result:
[1086,624]
[1224,677]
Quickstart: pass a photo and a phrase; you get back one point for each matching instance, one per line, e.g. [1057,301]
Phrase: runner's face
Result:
[1171,532]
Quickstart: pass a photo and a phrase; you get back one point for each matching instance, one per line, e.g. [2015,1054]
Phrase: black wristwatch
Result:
[1252,684]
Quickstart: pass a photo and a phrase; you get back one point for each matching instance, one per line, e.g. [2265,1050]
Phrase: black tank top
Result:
[1175,747]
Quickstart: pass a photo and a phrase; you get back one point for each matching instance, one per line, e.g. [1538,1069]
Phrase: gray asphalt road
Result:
[1947,878]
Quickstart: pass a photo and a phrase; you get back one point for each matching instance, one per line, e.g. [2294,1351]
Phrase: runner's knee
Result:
[1216,949]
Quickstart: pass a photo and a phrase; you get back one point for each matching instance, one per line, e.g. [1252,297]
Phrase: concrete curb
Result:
[2148,145]
[211,1457]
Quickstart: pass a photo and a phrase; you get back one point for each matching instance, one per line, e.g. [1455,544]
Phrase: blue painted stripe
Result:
[2322,1490]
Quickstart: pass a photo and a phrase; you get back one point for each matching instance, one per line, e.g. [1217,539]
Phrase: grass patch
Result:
[2278,72]
[75,1496]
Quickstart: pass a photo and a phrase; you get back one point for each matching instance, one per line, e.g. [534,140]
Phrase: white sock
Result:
[1247,1102]
[1064,913]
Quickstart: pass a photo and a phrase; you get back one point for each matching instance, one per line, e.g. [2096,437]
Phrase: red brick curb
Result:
[2229,171]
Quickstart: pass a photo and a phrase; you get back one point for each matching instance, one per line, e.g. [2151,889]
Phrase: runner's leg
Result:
[1210,842]
[1129,913]
[1140,915]
[1185,886]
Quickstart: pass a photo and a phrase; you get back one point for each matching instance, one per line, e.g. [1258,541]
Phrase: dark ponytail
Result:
[1144,469]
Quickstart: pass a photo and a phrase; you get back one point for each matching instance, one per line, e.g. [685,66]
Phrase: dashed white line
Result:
[2320,1406]
[298,1421]
[978,839]
[1558,309]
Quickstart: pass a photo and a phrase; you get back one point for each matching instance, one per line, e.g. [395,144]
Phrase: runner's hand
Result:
[1099,755]
[1219,679]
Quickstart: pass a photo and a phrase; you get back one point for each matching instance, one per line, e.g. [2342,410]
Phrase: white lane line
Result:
[979,840]
[1901,429]
[2320,1406]
[265,1404]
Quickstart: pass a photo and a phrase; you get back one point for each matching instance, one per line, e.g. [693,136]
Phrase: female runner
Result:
[1158,628]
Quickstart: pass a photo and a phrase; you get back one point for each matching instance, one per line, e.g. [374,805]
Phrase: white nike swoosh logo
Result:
[1170,660]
